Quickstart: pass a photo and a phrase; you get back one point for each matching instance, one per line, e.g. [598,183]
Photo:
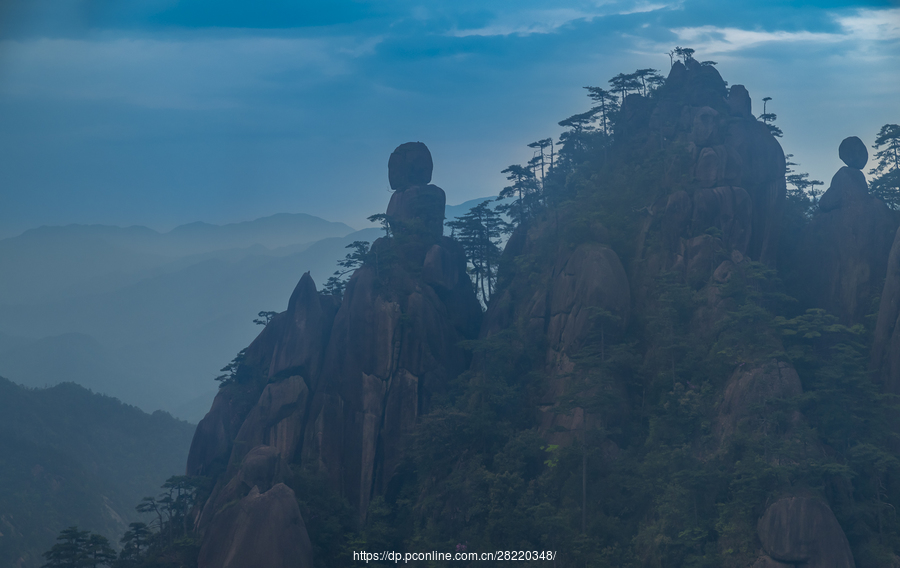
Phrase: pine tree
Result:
[624,84]
[479,232]
[801,190]
[886,183]
[353,260]
[135,541]
[525,189]
[769,119]
[605,106]
[79,549]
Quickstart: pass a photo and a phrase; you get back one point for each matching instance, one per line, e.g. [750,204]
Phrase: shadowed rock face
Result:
[853,152]
[802,530]
[583,286]
[749,390]
[262,467]
[214,435]
[292,342]
[261,529]
[391,348]
[416,209]
[736,164]
[886,345]
[845,247]
[339,384]
[410,165]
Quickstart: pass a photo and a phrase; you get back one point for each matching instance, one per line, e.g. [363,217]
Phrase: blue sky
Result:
[161,112]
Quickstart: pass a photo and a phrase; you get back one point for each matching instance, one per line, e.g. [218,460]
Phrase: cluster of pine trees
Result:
[167,540]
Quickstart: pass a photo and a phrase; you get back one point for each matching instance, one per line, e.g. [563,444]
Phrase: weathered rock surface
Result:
[886,342]
[391,348]
[584,291]
[844,249]
[277,420]
[410,165]
[262,529]
[301,332]
[418,210]
[728,209]
[853,152]
[215,433]
[737,168]
[762,177]
[589,292]
[739,101]
[749,391]
[848,185]
[803,530]
[591,278]
[339,384]
[261,467]
[292,343]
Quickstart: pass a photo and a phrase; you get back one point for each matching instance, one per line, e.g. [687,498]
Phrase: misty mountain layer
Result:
[73,457]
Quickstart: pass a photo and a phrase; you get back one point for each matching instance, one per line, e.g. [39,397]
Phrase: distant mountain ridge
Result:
[150,317]
[51,260]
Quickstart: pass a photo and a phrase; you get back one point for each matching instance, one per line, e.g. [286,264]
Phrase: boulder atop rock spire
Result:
[410,165]
[853,152]
[416,208]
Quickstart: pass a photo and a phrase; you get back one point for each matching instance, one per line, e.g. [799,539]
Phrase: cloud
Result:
[872,25]
[528,22]
[543,21]
[714,40]
[865,25]
[187,74]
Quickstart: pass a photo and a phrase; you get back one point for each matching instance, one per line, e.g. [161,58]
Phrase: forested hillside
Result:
[72,457]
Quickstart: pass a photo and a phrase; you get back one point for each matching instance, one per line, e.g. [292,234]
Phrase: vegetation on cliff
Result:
[651,384]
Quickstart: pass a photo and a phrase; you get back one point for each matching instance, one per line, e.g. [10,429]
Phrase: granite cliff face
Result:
[714,217]
[886,348]
[845,248]
[340,385]
[337,383]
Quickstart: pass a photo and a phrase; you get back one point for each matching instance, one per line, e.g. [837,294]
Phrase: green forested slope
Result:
[72,457]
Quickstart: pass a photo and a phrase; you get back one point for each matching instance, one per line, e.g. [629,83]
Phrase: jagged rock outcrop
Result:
[803,531]
[582,291]
[886,341]
[339,383]
[276,420]
[300,333]
[738,172]
[215,433]
[728,147]
[390,349]
[292,343]
[261,529]
[261,467]
[845,247]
